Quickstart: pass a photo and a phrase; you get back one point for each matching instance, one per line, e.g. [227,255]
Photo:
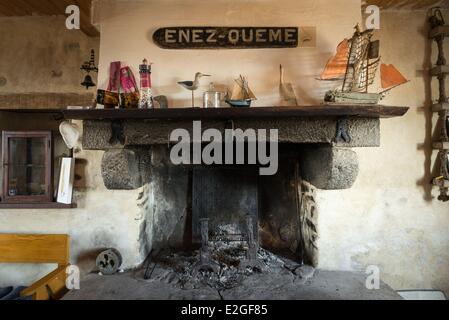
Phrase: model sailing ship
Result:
[356,63]
[241,96]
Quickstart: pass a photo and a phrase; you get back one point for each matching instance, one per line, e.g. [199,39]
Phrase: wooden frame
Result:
[47,136]
[210,37]
[29,248]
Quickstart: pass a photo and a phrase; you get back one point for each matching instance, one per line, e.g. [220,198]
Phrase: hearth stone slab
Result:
[329,168]
[325,285]
[365,132]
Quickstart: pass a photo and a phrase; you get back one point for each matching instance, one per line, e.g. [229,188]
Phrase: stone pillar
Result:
[329,168]
[125,169]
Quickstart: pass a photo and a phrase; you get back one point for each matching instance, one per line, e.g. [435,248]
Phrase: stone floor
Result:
[173,276]
[325,285]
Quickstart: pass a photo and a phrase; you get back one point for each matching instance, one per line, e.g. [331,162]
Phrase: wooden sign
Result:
[227,37]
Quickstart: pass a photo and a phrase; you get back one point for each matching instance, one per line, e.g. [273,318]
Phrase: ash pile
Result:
[229,267]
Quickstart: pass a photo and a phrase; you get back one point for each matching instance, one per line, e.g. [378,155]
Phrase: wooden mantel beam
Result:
[319,111]
[324,111]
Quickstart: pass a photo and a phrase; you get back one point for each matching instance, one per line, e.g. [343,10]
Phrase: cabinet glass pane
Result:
[26,167]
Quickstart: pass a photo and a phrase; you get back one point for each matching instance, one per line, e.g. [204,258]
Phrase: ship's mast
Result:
[367,68]
[350,70]
[360,72]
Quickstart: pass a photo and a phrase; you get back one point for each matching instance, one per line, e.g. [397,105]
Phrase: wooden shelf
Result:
[438,31]
[33,111]
[438,70]
[43,205]
[362,111]
[440,107]
[328,110]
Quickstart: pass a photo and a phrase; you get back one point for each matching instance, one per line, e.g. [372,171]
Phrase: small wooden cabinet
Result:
[27,166]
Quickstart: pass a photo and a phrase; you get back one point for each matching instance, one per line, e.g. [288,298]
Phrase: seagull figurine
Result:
[193,85]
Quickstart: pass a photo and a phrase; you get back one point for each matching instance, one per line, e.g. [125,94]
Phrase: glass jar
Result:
[212,98]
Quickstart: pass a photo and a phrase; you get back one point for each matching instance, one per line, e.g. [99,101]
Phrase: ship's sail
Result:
[363,62]
[336,66]
[390,77]
[241,90]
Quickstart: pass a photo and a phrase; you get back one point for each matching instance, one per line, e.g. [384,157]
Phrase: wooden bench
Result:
[28,248]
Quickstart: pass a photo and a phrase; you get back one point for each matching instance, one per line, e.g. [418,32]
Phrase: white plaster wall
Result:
[391,217]
[32,47]
[388,218]
[39,54]
[127,28]
[103,219]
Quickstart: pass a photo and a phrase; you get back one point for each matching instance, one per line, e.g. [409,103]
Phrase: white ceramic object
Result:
[70,133]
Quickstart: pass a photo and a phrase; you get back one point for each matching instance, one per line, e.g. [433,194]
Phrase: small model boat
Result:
[356,63]
[242,96]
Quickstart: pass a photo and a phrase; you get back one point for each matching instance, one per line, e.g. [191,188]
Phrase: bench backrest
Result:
[33,248]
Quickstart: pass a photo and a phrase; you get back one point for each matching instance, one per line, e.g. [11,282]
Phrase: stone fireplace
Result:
[315,152]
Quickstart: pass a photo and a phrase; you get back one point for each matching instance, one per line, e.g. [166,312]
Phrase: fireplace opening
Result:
[282,207]
[233,220]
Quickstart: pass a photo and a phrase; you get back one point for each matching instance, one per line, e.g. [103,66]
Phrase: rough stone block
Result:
[329,168]
[96,135]
[153,132]
[365,132]
[121,169]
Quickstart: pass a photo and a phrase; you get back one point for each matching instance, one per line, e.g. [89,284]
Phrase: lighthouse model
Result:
[146,96]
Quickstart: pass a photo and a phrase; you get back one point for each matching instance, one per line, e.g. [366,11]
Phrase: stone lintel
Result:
[364,132]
